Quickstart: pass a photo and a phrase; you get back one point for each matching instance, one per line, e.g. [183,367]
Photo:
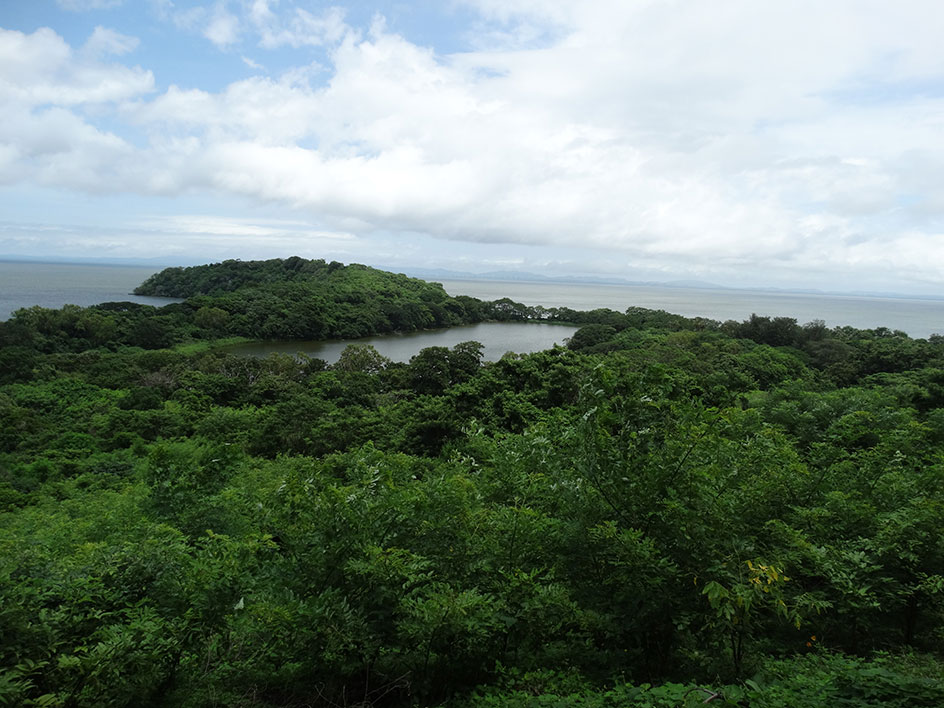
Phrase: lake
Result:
[56,284]
[496,337]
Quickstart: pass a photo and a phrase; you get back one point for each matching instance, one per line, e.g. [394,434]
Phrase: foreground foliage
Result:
[666,510]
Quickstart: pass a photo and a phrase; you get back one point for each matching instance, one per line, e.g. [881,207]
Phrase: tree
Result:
[361,357]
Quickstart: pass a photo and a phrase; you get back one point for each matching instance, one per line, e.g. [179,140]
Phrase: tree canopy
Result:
[666,510]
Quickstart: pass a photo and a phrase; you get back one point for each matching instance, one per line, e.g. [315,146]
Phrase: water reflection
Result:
[496,337]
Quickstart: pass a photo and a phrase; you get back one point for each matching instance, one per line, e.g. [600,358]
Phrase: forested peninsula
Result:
[668,511]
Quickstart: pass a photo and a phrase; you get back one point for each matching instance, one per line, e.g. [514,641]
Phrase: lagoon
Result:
[497,338]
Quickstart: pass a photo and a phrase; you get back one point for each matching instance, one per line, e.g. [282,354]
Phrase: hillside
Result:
[666,510]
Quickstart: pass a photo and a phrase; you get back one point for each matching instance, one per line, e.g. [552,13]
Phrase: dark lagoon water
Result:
[496,337]
[58,284]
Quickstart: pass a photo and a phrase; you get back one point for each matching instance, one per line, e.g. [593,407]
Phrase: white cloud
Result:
[271,29]
[736,138]
[106,41]
[179,237]
[215,225]
[40,68]
[301,28]
[43,83]
[223,27]
[216,24]
[55,147]
[252,64]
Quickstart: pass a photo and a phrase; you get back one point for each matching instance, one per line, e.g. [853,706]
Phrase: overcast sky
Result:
[743,142]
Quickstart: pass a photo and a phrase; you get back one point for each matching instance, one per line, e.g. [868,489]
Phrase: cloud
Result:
[86,5]
[55,147]
[217,24]
[223,27]
[215,225]
[43,85]
[41,68]
[105,41]
[301,28]
[213,237]
[742,138]
[270,28]
[411,142]
[252,64]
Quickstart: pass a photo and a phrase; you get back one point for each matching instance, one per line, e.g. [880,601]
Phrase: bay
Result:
[56,284]
[497,338]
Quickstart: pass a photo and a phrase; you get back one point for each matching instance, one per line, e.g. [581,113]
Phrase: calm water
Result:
[497,338]
[919,318]
[58,284]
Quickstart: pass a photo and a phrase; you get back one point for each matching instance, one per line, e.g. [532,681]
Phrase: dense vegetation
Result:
[667,510]
[278,299]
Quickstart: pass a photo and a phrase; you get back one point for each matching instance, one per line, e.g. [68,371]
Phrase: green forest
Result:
[667,511]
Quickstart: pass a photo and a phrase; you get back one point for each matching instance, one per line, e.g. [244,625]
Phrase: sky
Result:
[741,142]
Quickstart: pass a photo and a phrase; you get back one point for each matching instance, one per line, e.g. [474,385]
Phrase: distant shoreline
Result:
[713,287]
[437,275]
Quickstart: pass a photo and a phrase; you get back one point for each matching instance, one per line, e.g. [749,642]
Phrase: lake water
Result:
[496,337]
[57,284]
